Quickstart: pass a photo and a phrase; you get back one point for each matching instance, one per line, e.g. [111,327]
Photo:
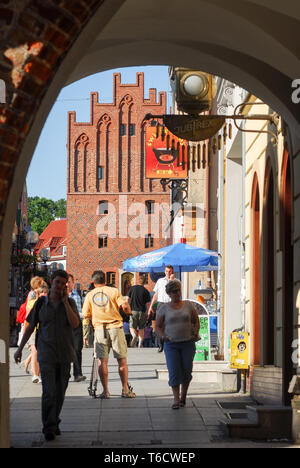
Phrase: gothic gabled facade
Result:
[110,205]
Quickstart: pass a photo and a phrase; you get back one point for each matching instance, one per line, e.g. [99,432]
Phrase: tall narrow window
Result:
[149,206]
[149,241]
[100,172]
[111,277]
[287,274]
[255,272]
[102,241]
[194,218]
[269,273]
[131,129]
[123,129]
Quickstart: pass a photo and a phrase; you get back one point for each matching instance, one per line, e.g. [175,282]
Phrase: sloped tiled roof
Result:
[53,236]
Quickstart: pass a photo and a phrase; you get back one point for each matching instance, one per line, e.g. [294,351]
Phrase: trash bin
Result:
[239,350]
[239,357]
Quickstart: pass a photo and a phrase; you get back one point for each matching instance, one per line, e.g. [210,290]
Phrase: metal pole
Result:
[220,248]
[243,219]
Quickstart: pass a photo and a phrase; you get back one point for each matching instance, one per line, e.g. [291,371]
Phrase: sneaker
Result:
[80,378]
[133,341]
[35,379]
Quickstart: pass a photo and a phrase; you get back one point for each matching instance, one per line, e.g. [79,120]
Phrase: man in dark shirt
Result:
[139,299]
[55,316]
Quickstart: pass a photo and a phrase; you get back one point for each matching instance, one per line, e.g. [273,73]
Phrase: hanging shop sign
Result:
[164,154]
[193,128]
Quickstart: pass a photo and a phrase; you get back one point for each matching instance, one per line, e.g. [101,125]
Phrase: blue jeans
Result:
[179,357]
[55,378]
[147,343]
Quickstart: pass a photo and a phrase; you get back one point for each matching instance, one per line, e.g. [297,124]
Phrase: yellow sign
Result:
[239,350]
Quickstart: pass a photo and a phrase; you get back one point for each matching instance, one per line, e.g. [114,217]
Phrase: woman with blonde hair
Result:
[35,282]
[41,289]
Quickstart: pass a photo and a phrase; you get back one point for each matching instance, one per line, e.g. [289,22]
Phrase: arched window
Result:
[103,207]
[268,268]
[287,273]
[255,220]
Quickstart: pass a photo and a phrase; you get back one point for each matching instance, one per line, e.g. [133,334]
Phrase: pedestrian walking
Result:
[102,306]
[87,327]
[139,300]
[78,332]
[55,316]
[161,297]
[31,343]
[148,335]
[35,283]
[177,324]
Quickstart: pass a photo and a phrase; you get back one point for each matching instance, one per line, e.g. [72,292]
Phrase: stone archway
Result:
[46,45]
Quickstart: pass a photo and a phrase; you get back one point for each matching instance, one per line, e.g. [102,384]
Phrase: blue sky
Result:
[47,174]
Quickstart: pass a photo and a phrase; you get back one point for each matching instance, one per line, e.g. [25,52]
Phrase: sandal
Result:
[175,406]
[104,396]
[182,403]
[128,394]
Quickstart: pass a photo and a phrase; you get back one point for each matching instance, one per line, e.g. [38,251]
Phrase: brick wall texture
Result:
[35,36]
[106,163]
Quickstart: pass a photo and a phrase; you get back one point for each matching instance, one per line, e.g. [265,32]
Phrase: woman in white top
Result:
[177,324]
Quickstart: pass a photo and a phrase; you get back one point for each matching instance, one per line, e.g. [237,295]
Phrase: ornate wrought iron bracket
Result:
[179,190]
[203,127]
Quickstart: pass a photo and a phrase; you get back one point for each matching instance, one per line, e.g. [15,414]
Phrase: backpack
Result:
[21,315]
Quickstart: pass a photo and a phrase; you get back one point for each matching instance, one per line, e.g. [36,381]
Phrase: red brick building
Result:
[53,240]
[112,210]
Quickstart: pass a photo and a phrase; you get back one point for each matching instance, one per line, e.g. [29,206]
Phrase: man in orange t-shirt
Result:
[102,306]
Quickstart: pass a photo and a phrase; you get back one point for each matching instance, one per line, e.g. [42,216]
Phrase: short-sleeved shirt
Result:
[139,296]
[102,306]
[177,322]
[75,295]
[160,288]
[55,338]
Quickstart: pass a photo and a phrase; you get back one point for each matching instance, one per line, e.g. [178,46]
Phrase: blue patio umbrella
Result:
[183,257]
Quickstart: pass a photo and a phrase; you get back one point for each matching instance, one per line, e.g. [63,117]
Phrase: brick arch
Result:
[105,119]
[41,43]
[39,35]
[126,100]
[36,56]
